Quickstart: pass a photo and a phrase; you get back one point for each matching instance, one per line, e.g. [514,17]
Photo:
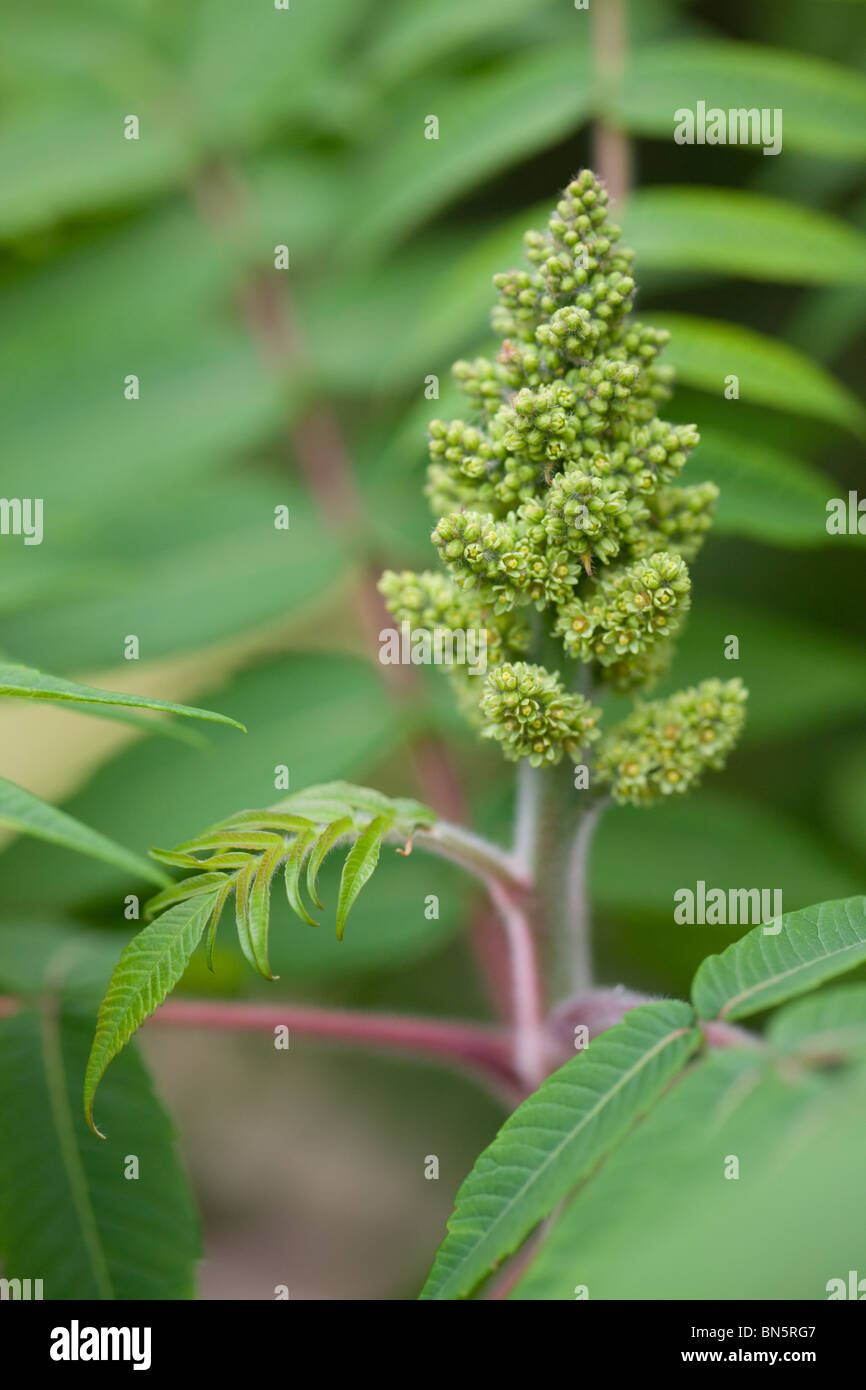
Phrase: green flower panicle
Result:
[563,524]
[664,746]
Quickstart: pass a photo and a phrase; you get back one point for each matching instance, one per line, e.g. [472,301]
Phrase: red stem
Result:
[611,148]
[474,1047]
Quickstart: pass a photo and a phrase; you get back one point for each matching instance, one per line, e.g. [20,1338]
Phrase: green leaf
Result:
[555,1139]
[360,863]
[736,232]
[148,969]
[213,925]
[250,840]
[325,842]
[186,888]
[706,351]
[31,815]
[760,970]
[68,1213]
[826,1027]
[294,863]
[667,1218]
[259,905]
[329,802]
[823,104]
[26,683]
[243,884]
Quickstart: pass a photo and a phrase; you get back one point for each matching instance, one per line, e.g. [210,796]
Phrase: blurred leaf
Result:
[699,838]
[211,567]
[733,231]
[845,798]
[829,323]
[59,958]
[249,71]
[762,969]
[413,37]
[503,115]
[661,1221]
[706,351]
[320,716]
[29,684]
[826,1027]
[60,158]
[30,815]
[765,494]
[824,104]
[148,969]
[557,1137]
[68,1213]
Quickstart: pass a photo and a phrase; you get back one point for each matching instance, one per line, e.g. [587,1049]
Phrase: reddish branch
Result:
[611,149]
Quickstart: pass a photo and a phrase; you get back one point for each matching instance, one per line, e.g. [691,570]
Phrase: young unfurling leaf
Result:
[241,854]
[358,867]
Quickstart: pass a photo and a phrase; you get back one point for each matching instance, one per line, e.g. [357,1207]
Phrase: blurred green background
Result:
[260,387]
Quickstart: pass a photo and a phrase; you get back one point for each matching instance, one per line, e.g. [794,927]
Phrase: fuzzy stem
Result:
[475,854]
[527,816]
[577,906]
[600,1009]
[529,1043]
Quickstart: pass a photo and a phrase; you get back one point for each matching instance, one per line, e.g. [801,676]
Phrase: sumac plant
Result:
[566,525]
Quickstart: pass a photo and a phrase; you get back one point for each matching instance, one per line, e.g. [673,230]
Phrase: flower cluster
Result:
[563,526]
[629,609]
[665,745]
[531,714]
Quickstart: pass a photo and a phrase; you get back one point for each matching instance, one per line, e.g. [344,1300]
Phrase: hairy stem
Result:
[475,854]
[527,816]
[600,1009]
[578,920]
[529,1043]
